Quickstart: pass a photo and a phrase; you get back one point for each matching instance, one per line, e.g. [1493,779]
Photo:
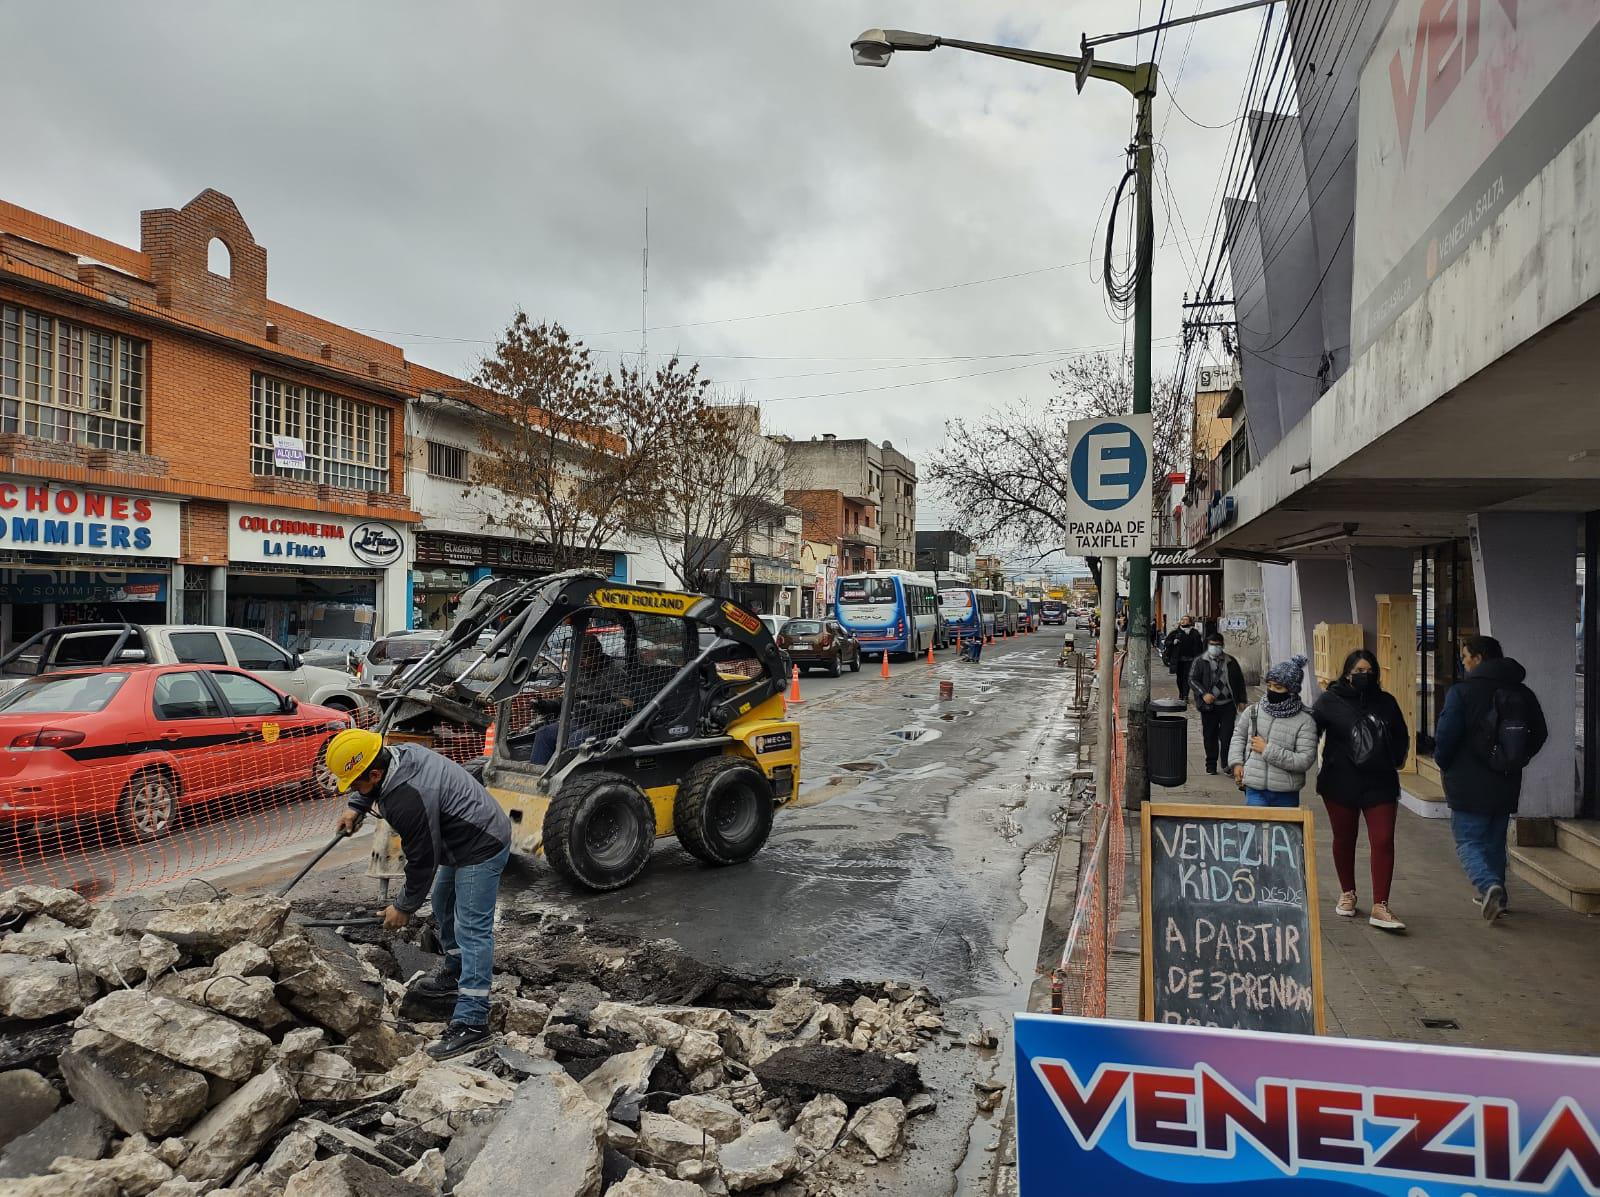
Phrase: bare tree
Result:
[722,481]
[578,455]
[1005,473]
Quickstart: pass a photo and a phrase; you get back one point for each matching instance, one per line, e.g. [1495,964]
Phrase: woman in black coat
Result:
[1367,742]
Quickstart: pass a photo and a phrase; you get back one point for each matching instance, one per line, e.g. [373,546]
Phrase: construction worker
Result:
[456,840]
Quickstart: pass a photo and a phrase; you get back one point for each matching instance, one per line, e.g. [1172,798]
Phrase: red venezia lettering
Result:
[1447,42]
[280,527]
[90,504]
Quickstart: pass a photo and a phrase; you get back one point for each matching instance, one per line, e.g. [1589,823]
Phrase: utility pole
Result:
[1138,696]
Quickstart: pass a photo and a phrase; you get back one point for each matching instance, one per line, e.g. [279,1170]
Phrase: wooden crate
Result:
[1331,643]
[1397,658]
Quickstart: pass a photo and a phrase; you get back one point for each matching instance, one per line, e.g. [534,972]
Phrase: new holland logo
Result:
[657,602]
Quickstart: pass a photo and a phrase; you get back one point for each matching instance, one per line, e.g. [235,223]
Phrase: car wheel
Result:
[834,669]
[599,831]
[723,812]
[855,660]
[148,806]
[343,705]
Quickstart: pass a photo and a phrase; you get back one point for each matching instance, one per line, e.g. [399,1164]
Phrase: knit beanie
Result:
[1290,674]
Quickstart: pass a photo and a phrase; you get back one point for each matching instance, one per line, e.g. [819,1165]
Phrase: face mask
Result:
[1277,695]
[1362,682]
[1213,651]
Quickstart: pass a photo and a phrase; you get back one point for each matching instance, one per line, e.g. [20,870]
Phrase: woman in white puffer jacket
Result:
[1275,741]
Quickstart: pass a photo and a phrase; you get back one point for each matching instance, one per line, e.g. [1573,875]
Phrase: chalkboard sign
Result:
[1231,936]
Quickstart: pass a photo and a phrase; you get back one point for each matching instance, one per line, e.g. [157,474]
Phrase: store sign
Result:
[71,586]
[1138,1108]
[491,552]
[52,517]
[276,536]
[288,453]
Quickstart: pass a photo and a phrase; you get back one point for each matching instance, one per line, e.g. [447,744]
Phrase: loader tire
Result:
[723,812]
[599,831]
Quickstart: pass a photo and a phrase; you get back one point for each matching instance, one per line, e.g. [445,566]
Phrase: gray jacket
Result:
[1291,749]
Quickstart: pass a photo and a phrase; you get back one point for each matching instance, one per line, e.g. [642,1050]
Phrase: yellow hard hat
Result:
[351,753]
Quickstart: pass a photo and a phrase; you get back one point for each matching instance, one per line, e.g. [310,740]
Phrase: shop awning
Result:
[1183,561]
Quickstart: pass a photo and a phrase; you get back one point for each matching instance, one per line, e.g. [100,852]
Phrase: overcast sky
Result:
[419,170]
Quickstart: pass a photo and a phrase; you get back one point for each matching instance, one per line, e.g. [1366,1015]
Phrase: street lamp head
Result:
[876,46]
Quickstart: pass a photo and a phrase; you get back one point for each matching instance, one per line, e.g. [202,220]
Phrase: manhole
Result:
[862,766]
[1441,1024]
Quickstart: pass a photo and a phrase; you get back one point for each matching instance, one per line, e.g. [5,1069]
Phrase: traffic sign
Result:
[1109,505]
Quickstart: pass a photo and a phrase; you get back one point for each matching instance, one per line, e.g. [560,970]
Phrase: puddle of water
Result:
[916,735]
[862,766]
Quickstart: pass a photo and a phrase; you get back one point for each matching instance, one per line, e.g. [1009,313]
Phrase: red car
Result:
[137,743]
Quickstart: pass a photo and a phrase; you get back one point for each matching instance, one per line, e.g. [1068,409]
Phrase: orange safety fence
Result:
[1079,985]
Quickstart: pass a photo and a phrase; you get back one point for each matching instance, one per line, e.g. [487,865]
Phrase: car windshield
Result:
[802,627]
[402,648]
[69,693]
[866,590]
[955,600]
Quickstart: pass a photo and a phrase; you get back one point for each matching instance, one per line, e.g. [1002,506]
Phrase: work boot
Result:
[441,983]
[457,1040]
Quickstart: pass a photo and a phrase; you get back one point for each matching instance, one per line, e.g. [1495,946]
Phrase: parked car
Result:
[389,654]
[76,646]
[138,743]
[774,623]
[820,643]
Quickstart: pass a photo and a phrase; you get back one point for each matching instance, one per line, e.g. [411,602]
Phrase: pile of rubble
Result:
[221,1047]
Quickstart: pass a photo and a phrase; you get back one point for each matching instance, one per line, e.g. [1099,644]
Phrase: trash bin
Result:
[1167,743]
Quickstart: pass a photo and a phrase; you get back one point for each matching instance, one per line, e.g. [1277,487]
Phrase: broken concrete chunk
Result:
[299,1045]
[550,1131]
[450,1089]
[791,1010]
[820,1122]
[253,999]
[73,1130]
[710,1114]
[764,1155]
[856,1077]
[880,1127]
[63,904]
[63,1186]
[346,1176]
[42,988]
[428,1171]
[172,1151]
[44,938]
[623,1080]
[696,1050]
[327,990]
[294,1153]
[26,1100]
[244,959]
[140,1091]
[921,1103]
[209,928]
[178,1187]
[526,1016]
[665,1140]
[699,1171]
[640,1183]
[122,960]
[379,1046]
[181,1032]
[234,1131]
[328,1076]
[135,1173]
[621,1136]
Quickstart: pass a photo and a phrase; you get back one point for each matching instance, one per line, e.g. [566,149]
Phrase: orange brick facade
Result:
[828,516]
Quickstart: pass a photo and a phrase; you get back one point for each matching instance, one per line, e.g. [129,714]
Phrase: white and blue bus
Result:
[967,612]
[889,610]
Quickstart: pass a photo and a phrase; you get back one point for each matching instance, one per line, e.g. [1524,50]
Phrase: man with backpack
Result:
[1490,728]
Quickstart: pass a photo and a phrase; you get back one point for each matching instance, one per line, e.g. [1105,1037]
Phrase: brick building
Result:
[858,495]
[848,523]
[175,445]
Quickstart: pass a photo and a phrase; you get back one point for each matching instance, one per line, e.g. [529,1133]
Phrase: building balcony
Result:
[862,535]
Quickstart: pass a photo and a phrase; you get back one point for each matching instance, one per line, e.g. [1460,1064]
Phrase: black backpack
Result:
[1504,736]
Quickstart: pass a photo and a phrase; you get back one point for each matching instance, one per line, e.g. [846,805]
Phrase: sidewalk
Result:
[1530,982]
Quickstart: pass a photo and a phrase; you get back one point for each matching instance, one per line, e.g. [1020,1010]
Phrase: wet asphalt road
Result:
[923,859]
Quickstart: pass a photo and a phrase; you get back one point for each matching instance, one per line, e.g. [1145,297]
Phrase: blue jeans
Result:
[463,904]
[1254,797]
[544,741]
[1481,847]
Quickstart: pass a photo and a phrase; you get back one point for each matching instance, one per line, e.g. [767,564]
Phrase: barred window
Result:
[63,382]
[447,461]
[346,440]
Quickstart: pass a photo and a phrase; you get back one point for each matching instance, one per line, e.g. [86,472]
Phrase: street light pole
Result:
[874,48]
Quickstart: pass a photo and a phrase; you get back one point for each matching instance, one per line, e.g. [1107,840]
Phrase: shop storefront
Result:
[446,563]
[311,580]
[72,554]
[766,585]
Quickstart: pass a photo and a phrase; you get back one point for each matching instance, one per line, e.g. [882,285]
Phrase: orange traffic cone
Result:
[794,685]
[488,741]
[988,635]
[885,671]
[930,652]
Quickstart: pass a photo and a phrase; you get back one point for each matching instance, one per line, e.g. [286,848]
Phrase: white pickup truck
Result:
[85,646]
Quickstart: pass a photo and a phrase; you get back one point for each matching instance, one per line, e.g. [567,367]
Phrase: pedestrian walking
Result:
[1367,742]
[1217,684]
[1490,728]
[1184,644]
[456,839]
[1275,741]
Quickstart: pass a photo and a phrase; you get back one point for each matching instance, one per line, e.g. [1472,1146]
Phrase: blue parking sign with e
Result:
[1109,465]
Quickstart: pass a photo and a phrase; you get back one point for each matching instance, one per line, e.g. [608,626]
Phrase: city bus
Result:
[966,612]
[889,610]
[1008,614]
[1054,611]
